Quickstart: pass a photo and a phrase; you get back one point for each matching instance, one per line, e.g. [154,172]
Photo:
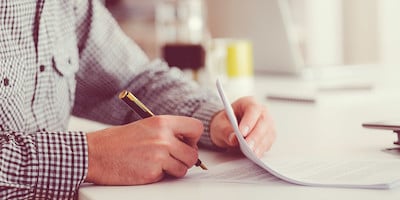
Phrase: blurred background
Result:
[346,33]
[329,31]
[322,33]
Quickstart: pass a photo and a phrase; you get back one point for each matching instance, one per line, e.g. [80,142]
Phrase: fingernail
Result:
[245,130]
[232,138]
[251,145]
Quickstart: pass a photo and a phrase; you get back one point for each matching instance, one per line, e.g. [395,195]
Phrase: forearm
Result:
[163,90]
[42,165]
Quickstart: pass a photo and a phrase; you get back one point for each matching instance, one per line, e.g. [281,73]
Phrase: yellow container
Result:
[239,58]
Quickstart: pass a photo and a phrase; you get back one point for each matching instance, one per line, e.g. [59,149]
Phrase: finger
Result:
[226,135]
[249,119]
[232,140]
[183,152]
[256,136]
[175,167]
[188,128]
[261,137]
[266,142]
[247,112]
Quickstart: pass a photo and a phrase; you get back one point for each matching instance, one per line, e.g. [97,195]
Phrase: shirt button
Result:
[6,82]
[41,68]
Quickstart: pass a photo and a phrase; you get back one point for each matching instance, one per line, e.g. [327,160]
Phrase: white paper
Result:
[352,174]
[238,171]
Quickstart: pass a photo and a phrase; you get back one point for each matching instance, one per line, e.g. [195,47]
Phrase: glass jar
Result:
[182,33]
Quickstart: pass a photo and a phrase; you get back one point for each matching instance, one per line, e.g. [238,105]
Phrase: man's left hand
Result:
[254,123]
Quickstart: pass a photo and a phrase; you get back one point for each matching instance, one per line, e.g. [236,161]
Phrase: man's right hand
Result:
[143,151]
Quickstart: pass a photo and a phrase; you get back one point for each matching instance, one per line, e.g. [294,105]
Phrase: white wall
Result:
[389,19]
[360,32]
[348,31]
[340,31]
[323,32]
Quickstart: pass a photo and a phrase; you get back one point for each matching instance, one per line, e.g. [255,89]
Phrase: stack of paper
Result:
[378,174]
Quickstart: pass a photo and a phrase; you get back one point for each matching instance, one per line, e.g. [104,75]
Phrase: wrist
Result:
[206,113]
[213,133]
[92,158]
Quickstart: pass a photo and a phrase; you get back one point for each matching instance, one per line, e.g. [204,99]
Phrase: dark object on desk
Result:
[184,56]
[346,87]
[291,98]
[388,125]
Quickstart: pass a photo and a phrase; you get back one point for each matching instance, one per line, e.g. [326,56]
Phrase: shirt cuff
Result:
[205,113]
[63,164]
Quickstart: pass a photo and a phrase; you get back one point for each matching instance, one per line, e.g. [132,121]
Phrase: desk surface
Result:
[330,127]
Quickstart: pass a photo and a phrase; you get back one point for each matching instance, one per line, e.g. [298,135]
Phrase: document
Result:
[348,174]
[238,171]
[377,174]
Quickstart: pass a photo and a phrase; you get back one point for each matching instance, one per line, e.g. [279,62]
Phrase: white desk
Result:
[330,127]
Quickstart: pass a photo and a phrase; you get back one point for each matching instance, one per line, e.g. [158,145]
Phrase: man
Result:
[67,57]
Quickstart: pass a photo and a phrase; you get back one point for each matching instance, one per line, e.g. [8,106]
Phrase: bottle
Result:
[182,34]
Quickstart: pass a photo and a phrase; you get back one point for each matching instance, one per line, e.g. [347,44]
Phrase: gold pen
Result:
[144,112]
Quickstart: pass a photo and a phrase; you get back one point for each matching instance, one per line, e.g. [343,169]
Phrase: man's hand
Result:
[254,123]
[142,152]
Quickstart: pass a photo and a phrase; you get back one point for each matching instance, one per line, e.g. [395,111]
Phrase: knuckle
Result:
[227,130]
[181,171]
[253,109]
[152,175]
[264,112]
[160,121]
[162,140]
[196,124]
[160,154]
[264,117]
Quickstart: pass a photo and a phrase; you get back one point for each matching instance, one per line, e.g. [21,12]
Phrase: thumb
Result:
[232,140]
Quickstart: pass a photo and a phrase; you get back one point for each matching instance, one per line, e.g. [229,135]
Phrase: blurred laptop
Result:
[267,24]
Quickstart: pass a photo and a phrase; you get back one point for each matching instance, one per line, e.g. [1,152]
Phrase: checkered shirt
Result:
[64,57]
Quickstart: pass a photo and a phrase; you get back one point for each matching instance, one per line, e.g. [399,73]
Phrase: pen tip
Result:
[203,166]
[200,164]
